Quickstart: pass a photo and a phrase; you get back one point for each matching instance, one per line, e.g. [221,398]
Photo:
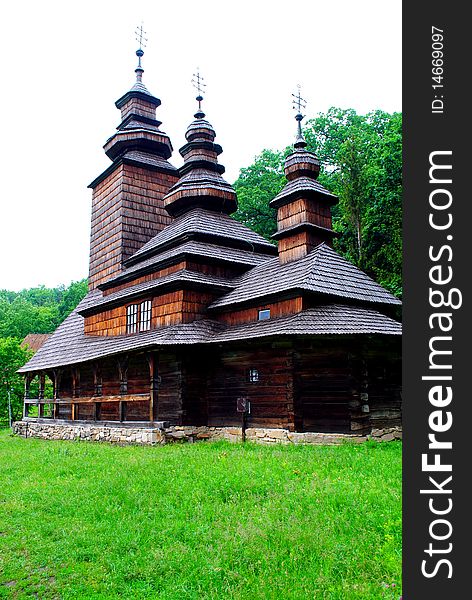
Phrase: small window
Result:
[132,318]
[264,314]
[145,316]
[253,375]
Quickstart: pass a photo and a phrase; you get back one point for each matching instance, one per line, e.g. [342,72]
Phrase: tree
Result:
[12,357]
[71,297]
[37,310]
[361,157]
[255,187]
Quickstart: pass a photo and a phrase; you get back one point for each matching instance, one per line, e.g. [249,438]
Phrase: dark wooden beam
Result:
[153,384]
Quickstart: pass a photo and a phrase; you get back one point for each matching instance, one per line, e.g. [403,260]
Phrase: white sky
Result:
[65,63]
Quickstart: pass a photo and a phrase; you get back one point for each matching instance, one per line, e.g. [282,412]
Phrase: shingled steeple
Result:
[200,184]
[127,206]
[304,205]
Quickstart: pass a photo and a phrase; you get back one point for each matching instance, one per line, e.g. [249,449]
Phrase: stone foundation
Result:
[160,434]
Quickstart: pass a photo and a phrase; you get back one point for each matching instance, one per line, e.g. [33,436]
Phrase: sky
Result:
[64,64]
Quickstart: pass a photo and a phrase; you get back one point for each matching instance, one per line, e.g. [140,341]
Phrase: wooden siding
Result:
[108,322]
[169,405]
[105,237]
[127,211]
[303,211]
[277,309]
[323,388]
[183,306]
[143,212]
[149,277]
[298,245]
[138,106]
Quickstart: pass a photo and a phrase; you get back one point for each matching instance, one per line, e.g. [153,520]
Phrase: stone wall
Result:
[159,434]
[89,432]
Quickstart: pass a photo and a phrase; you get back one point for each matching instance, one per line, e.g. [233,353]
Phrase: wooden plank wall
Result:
[127,211]
[384,385]
[149,277]
[303,211]
[183,306]
[298,244]
[277,309]
[195,372]
[138,106]
[323,387]
[108,322]
[169,407]
[143,209]
[105,236]
[270,397]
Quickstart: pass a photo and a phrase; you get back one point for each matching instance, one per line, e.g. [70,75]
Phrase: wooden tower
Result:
[303,206]
[127,207]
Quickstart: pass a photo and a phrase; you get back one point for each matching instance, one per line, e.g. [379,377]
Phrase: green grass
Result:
[192,521]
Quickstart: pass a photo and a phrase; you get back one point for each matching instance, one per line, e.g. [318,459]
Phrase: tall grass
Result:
[207,520]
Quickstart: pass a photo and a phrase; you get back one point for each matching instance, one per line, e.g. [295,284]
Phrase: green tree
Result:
[71,297]
[255,187]
[362,164]
[12,357]
[37,310]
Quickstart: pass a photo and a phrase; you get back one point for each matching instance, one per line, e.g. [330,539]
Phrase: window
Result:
[138,317]
[253,375]
[145,316]
[132,318]
[264,314]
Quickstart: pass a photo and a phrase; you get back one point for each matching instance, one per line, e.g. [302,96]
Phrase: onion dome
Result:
[201,184]
[304,205]
[139,129]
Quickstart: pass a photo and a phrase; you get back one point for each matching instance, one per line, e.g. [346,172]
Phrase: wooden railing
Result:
[122,399]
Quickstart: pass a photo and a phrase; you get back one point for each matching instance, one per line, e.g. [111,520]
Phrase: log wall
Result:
[335,384]
[270,397]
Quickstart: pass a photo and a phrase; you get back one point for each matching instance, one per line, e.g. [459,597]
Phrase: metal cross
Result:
[140,33]
[198,82]
[298,102]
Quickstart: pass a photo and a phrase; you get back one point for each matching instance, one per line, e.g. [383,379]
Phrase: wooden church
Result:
[193,319]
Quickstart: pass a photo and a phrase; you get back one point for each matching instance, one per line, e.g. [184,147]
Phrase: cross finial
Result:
[140,33]
[299,104]
[200,86]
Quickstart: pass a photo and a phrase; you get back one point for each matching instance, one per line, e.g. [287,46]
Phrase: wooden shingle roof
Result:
[179,278]
[69,345]
[193,249]
[200,223]
[34,341]
[322,271]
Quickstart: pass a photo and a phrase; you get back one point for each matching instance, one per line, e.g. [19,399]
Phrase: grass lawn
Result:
[206,520]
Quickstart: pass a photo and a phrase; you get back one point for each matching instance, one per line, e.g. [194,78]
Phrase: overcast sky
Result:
[65,63]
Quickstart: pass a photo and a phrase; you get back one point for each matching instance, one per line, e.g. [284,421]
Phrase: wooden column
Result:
[28,378]
[97,389]
[42,381]
[56,382]
[75,391]
[153,385]
[123,373]
[295,358]
[292,417]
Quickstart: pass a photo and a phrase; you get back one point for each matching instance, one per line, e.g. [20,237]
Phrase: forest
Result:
[361,158]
